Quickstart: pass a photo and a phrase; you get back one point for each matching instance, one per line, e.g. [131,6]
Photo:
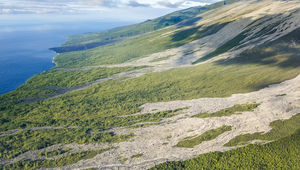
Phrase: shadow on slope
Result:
[267,25]
[283,52]
[182,17]
[198,32]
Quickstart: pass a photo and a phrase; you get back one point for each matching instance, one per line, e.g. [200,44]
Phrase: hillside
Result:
[221,82]
[92,40]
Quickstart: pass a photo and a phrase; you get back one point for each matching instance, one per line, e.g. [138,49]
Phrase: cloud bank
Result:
[90,6]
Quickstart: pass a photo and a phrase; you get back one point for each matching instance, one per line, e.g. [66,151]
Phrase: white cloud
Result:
[112,7]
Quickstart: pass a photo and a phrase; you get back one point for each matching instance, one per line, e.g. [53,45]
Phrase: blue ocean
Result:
[24,46]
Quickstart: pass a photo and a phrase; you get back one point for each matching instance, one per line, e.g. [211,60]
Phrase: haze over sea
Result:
[25,43]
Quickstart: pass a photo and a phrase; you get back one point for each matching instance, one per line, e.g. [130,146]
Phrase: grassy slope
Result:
[186,15]
[73,78]
[28,140]
[236,109]
[206,136]
[13,145]
[49,154]
[98,106]
[254,69]
[50,82]
[113,98]
[65,160]
[137,47]
[281,154]
[280,128]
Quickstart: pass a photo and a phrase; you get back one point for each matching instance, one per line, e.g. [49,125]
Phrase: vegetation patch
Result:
[281,154]
[143,125]
[49,154]
[73,78]
[28,140]
[137,155]
[100,105]
[280,129]
[206,136]
[124,160]
[137,47]
[131,120]
[50,82]
[69,159]
[236,109]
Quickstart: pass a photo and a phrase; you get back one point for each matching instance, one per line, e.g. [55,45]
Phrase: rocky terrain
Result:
[258,23]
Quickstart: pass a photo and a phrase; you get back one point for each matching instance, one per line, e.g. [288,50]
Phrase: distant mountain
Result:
[92,40]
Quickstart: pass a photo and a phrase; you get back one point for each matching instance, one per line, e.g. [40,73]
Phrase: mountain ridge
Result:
[92,40]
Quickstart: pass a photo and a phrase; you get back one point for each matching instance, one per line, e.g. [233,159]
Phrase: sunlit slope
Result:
[234,27]
[186,15]
[281,154]
[200,86]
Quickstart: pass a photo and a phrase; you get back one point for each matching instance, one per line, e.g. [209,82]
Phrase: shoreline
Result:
[52,62]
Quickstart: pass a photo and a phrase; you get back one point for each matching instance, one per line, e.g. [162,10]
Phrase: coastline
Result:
[30,54]
[53,59]
[54,64]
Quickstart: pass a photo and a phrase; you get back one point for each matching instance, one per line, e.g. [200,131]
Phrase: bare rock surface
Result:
[283,15]
[157,143]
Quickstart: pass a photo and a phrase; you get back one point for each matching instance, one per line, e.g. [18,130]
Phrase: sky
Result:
[131,10]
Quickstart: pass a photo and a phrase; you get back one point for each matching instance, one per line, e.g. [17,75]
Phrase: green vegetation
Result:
[124,160]
[137,155]
[49,83]
[131,120]
[110,104]
[281,154]
[147,124]
[66,160]
[98,105]
[29,140]
[186,17]
[137,47]
[236,109]
[72,78]
[26,140]
[49,154]
[118,52]
[206,136]
[162,58]
[280,129]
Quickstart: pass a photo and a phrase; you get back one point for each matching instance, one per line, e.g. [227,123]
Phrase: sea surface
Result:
[24,46]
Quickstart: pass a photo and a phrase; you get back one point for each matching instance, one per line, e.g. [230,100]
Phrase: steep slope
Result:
[203,85]
[186,15]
